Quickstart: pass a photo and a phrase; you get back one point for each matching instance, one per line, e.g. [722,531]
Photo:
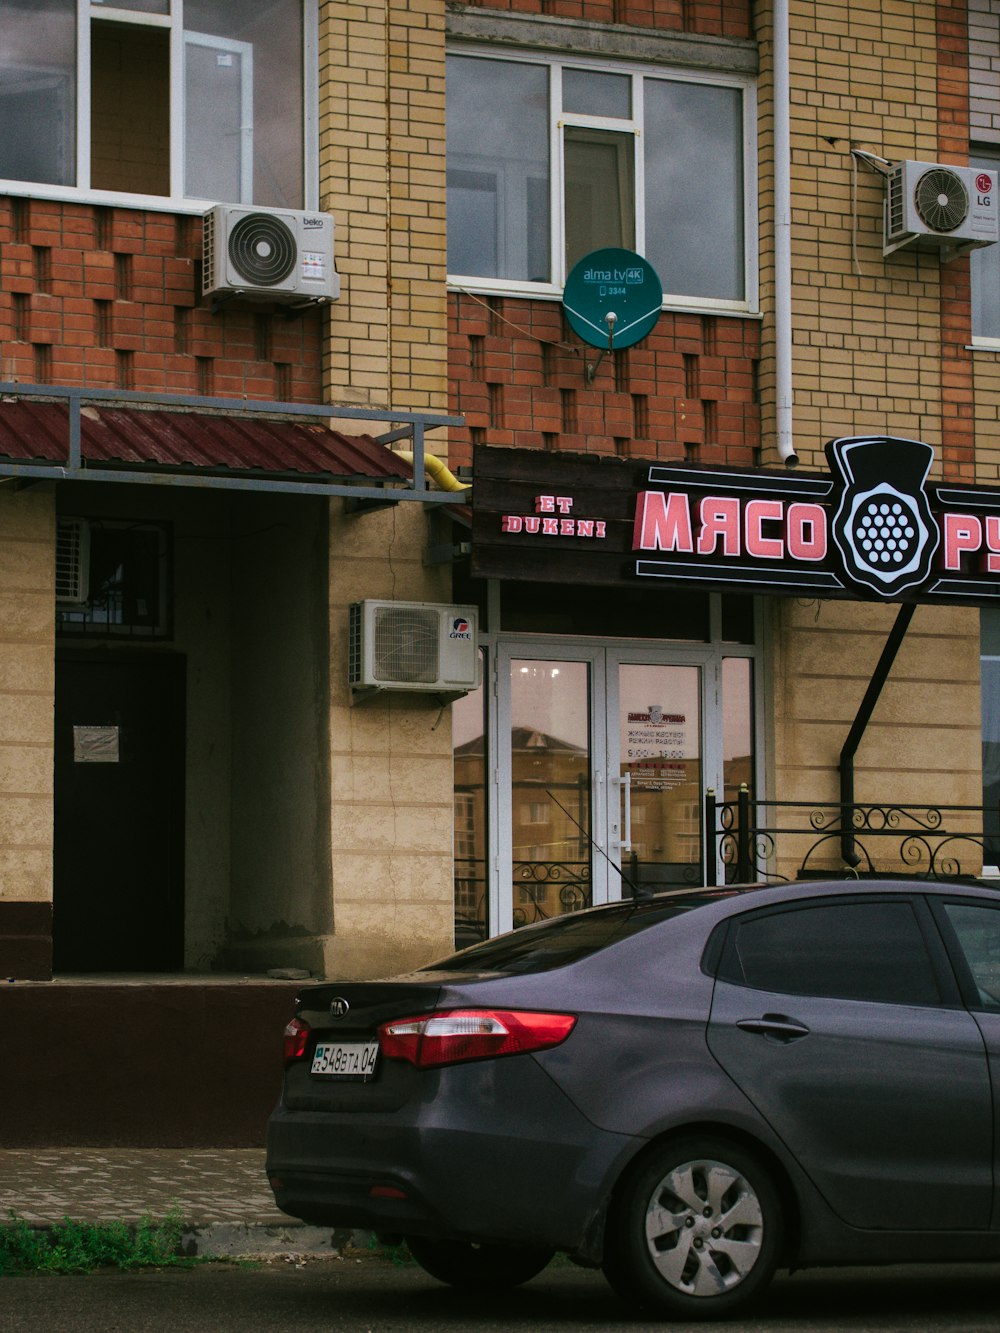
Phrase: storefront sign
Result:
[874,527]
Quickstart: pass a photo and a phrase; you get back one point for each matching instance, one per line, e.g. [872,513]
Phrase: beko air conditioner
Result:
[412,646]
[268,254]
[950,209]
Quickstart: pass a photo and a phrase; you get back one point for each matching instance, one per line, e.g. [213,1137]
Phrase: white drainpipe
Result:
[782,238]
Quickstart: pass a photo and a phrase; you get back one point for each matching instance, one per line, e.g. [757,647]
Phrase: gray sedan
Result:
[688,1090]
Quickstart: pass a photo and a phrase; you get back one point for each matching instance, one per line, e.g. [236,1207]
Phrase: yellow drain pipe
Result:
[437,470]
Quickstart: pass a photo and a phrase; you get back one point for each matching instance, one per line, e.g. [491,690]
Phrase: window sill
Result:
[146,203]
[486,287]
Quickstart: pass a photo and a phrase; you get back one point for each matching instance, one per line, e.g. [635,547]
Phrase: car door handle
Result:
[778,1026]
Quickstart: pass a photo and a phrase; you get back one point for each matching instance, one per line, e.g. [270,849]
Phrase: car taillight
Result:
[296,1039]
[455,1035]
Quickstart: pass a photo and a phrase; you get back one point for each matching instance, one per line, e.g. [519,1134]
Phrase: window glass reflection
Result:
[694,188]
[469,742]
[550,788]
[498,169]
[38,91]
[244,101]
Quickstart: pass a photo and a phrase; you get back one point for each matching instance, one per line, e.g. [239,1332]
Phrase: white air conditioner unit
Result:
[72,561]
[268,254]
[413,646]
[951,209]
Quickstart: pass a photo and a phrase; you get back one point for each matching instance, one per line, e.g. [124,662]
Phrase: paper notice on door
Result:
[95,745]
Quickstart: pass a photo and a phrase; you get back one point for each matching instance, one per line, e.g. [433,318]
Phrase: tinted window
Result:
[978,931]
[567,939]
[845,950]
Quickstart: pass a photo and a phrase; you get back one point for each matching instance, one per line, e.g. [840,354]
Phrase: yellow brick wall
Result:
[382,175]
[924,739]
[27,685]
[866,329]
[866,359]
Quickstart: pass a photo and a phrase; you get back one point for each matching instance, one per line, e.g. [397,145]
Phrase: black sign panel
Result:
[874,527]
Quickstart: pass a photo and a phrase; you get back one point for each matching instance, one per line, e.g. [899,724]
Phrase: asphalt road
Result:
[374,1295]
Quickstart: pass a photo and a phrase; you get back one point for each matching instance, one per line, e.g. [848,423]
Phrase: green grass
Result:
[81,1247]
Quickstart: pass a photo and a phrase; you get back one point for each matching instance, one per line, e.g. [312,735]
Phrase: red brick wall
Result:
[518,375]
[110,298]
[715,18]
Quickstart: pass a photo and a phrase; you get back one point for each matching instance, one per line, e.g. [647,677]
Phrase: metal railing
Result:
[755,840]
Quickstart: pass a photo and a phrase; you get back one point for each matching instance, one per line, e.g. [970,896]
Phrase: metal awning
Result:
[65,434]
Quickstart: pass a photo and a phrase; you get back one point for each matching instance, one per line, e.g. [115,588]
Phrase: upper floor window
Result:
[572,158]
[985,272]
[184,99]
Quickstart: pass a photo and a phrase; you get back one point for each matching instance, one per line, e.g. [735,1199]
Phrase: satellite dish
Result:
[612,299]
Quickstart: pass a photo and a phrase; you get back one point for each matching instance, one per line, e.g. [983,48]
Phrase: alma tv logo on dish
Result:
[460,628]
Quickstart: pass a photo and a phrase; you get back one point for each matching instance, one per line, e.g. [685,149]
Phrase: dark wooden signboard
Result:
[873,527]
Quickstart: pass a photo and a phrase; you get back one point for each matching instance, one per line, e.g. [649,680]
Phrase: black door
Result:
[119,814]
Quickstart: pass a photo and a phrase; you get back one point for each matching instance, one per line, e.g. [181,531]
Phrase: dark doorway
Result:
[119,813]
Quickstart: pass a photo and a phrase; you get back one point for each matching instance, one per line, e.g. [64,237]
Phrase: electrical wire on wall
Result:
[874,163]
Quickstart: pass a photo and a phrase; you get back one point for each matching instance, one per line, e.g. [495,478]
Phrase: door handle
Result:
[626,842]
[778,1026]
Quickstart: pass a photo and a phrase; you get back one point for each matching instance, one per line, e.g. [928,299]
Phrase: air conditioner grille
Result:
[405,644]
[262,248]
[941,199]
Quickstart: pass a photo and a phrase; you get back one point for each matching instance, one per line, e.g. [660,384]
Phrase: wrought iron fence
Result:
[757,840]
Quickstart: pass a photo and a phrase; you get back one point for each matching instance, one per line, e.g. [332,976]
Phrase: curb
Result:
[250,1240]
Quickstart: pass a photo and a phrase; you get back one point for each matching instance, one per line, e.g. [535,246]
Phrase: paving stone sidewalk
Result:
[221,1194]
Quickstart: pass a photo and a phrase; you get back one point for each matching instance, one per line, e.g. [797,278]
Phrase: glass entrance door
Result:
[600,778]
[659,774]
[580,774]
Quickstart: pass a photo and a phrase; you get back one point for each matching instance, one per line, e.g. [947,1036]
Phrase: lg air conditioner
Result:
[413,646]
[272,254]
[949,209]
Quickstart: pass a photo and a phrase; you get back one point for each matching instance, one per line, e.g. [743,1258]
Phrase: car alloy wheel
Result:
[695,1230]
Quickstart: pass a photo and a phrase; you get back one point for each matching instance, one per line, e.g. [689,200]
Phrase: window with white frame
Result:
[985,272]
[183,99]
[574,157]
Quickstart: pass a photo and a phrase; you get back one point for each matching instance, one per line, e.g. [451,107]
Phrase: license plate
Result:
[345,1059]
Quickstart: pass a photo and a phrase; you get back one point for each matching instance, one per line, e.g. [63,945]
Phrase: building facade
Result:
[190,786]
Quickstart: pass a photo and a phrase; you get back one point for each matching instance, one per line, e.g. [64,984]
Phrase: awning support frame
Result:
[411,425]
[848,850]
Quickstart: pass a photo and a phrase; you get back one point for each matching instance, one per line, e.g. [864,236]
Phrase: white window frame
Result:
[176,201]
[558,120]
[989,156]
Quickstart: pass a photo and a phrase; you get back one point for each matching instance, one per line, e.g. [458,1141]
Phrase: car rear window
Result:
[567,939]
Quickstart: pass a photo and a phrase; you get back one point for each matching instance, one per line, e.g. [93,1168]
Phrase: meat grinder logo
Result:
[339,1007]
[883,526]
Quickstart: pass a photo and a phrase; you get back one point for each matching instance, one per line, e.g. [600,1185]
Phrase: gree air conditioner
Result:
[412,646]
[950,209]
[268,254]
[72,561]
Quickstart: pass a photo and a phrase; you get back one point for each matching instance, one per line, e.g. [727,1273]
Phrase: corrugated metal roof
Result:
[181,441]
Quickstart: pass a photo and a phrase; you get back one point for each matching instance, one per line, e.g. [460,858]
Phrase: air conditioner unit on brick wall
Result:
[950,209]
[272,254]
[413,646]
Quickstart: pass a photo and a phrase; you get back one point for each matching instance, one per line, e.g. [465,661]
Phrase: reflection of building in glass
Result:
[551,846]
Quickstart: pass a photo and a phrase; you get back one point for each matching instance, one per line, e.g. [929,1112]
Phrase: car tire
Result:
[695,1231]
[462,1263]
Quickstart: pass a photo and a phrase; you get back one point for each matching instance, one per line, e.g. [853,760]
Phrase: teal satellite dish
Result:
[612,298]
